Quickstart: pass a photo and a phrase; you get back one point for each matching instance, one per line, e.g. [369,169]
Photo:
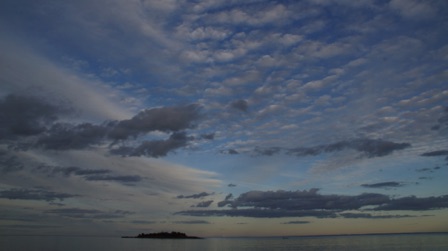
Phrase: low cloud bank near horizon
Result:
[310,203]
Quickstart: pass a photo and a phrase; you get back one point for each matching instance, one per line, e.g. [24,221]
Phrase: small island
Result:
[163,235]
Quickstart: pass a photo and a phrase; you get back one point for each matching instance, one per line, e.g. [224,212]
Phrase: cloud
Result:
[155,148]
[85,95]
[192,222]
[208,136]
[194,196]
[26,227]
[383,185]
[427,169]
[9,163]
[443,120]
[143,222]
[370,216]
[117,178]
[258,213]
[297,222]
[88,213]
[241,105]
[164,119]
[230,151]
[34,194]
[25,116]
[227,201]
[306,200]
[368,147]
[64,136]
[309,203]
[413,9]
[416,204]
[435,153]
[204,203]
[267,151]
[89,174]
[73,170]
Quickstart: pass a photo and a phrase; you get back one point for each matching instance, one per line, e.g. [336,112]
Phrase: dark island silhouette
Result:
[163,235]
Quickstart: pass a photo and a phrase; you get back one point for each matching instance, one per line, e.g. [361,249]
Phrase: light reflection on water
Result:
[434,242]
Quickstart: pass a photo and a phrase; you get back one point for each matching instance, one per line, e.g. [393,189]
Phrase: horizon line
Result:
[267,236]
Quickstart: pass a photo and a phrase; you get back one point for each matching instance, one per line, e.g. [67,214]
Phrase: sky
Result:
[222,117]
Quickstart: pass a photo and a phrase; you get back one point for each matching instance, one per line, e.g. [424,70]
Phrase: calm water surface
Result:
[434,242]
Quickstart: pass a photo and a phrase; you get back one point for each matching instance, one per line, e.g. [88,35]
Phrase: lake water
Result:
[433,242]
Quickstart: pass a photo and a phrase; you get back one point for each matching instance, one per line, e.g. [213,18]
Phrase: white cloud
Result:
[198,56]
[319,84]
[271,14]
[218,91]
[27,70]
[317,49]
[270,110]
[209,33]
[413,8]
[161,180]
[323,100]
[290,39]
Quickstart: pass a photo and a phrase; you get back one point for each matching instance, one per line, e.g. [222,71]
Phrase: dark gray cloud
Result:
[240,105]
[89,174]
[192,222]
[155,148]
[31,116]
[367,147]
[89,213]
[306,200]
[34,194]
[25,116]
[267,151]
[435,153]
[72,170]
[63,136]
[209,136]
[9,163]
[117,178]
[383,184]
[370,216]
[194,196]
[442,122]
[415,204]
[165,119]
[230,151]
[143,222]
[297,222]
[28,226]
[427,169]
[273,204]
[204,203]
[259,213]
[227,201]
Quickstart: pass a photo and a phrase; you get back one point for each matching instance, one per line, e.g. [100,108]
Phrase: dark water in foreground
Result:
[434,242]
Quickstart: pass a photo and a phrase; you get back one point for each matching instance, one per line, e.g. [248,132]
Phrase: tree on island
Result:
[164,235]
